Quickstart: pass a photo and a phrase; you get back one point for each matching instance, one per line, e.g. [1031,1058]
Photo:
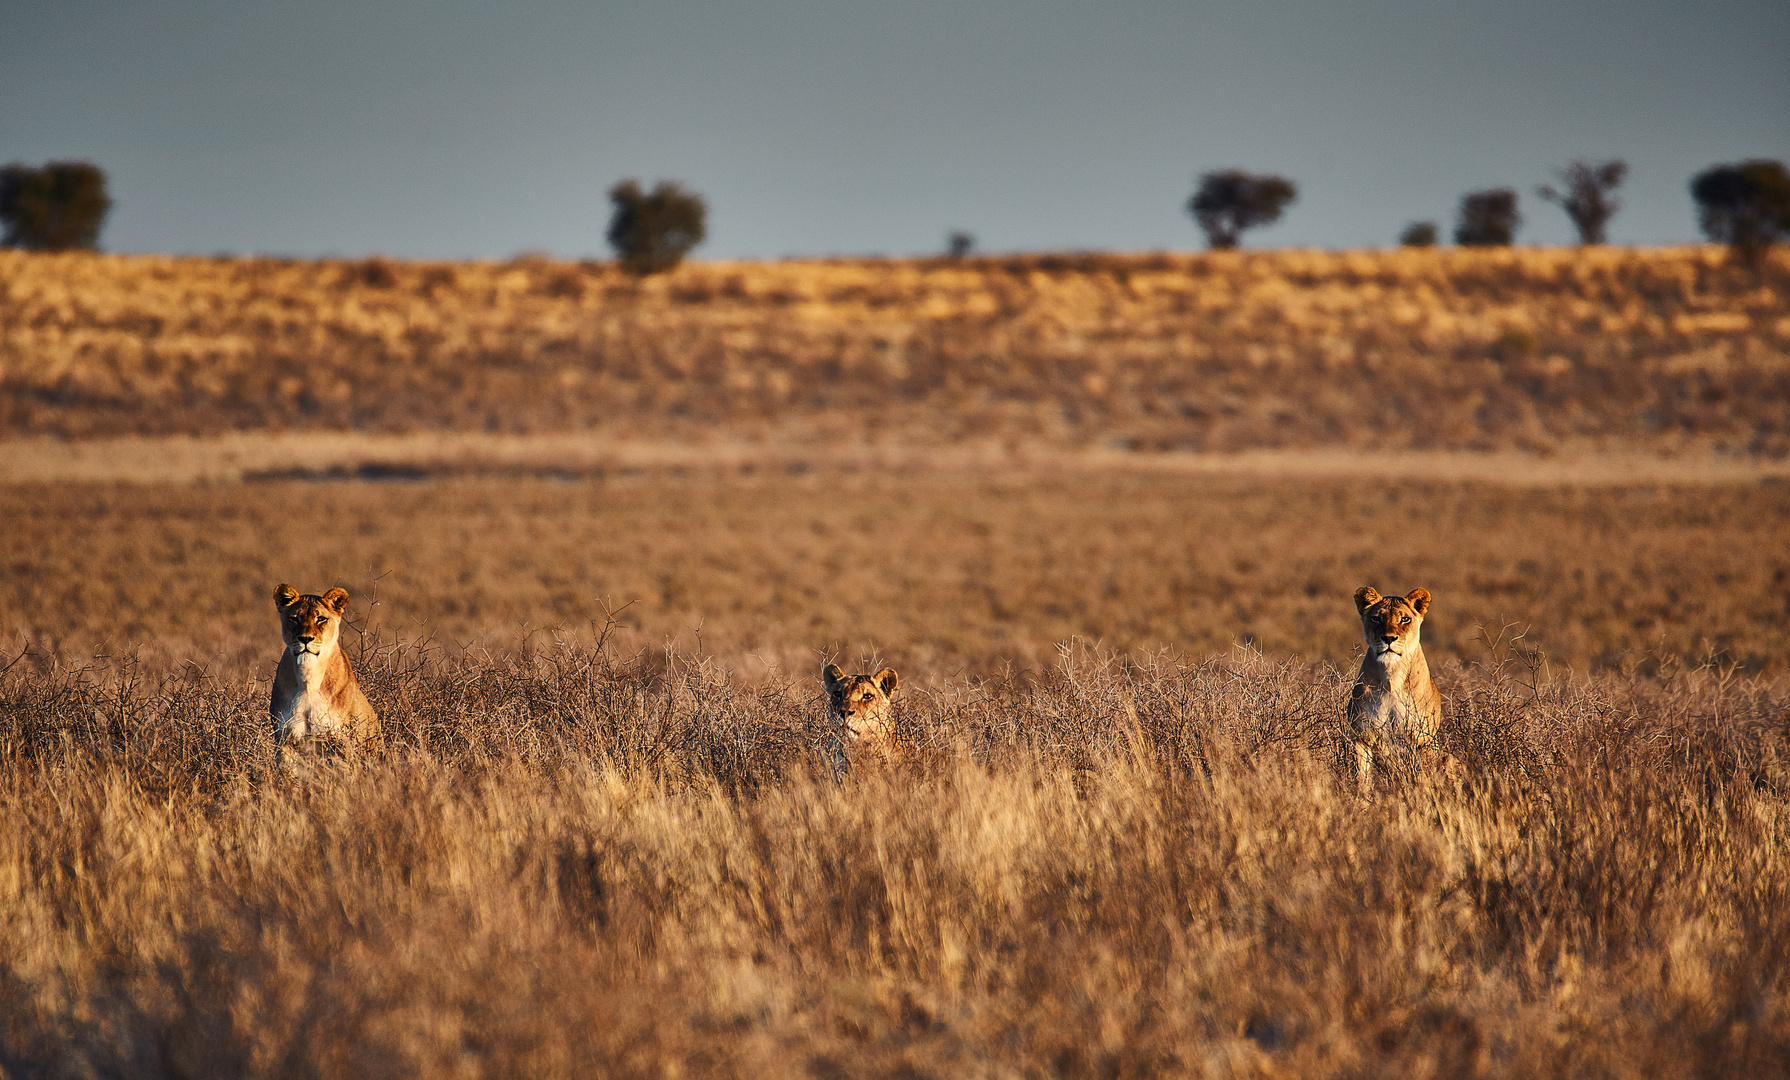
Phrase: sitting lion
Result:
[860,711]
[314,690]
[1395,703]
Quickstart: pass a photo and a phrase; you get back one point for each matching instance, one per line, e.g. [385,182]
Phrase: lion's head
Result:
[310,624]
[860,703]
[1391,624]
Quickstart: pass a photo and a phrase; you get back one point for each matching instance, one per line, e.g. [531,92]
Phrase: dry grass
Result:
[938,572]
[571,865]
[1534,350]
[596,846]
[616,859]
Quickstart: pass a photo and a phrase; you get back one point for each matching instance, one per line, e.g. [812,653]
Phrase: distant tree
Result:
[653,232]
[1488,218]
[1746,206]
[1230,201]
[1418,234]
[959,243]
[59,207]
[1586,198]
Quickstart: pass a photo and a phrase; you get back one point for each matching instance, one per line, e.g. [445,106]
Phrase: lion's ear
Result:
[1365,597]
[888,681]
[285,595]
[832,676]
[336,600]
[1419,599]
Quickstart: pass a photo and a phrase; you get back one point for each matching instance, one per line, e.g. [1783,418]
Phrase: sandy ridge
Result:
[348,455]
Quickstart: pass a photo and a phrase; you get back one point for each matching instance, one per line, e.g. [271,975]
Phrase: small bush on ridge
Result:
[653,232]
[1418,234]
[1231,201]
[1488,218]
[1746,206]
[1587,199]
[59,207]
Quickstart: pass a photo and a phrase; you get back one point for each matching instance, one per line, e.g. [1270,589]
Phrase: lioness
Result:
[314,690]
[1394,703]
[859,707]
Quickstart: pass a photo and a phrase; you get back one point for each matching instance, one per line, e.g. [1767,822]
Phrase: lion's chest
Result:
[1384,705]
[307,710]
[1384,711]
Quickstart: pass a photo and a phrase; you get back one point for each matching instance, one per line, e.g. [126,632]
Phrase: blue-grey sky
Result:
[449,129]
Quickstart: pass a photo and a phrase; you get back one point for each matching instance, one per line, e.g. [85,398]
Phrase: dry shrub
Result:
[573,863]
[1480,349]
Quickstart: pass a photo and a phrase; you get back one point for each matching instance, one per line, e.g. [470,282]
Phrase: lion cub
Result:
[314,690]
[859,707]
[1395,703]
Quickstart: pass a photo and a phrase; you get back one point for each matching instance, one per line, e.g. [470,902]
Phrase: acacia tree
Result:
[653,232]
[1746,206]
[1488,218]
[59,207]
[1231,200]
[1586,198]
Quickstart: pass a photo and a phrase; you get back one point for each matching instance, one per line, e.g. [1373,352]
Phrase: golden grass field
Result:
[601,836]
[941,571]
[1534,350]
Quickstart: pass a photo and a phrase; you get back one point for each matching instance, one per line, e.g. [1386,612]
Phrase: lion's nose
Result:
[1389,638]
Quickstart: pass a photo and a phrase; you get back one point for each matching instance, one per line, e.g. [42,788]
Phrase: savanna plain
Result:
[602,835]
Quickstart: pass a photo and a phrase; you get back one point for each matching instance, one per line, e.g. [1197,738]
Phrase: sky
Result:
[445,129]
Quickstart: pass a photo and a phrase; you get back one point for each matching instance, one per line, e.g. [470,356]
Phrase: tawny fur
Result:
[1394,704]
[314,689]
[859,706]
